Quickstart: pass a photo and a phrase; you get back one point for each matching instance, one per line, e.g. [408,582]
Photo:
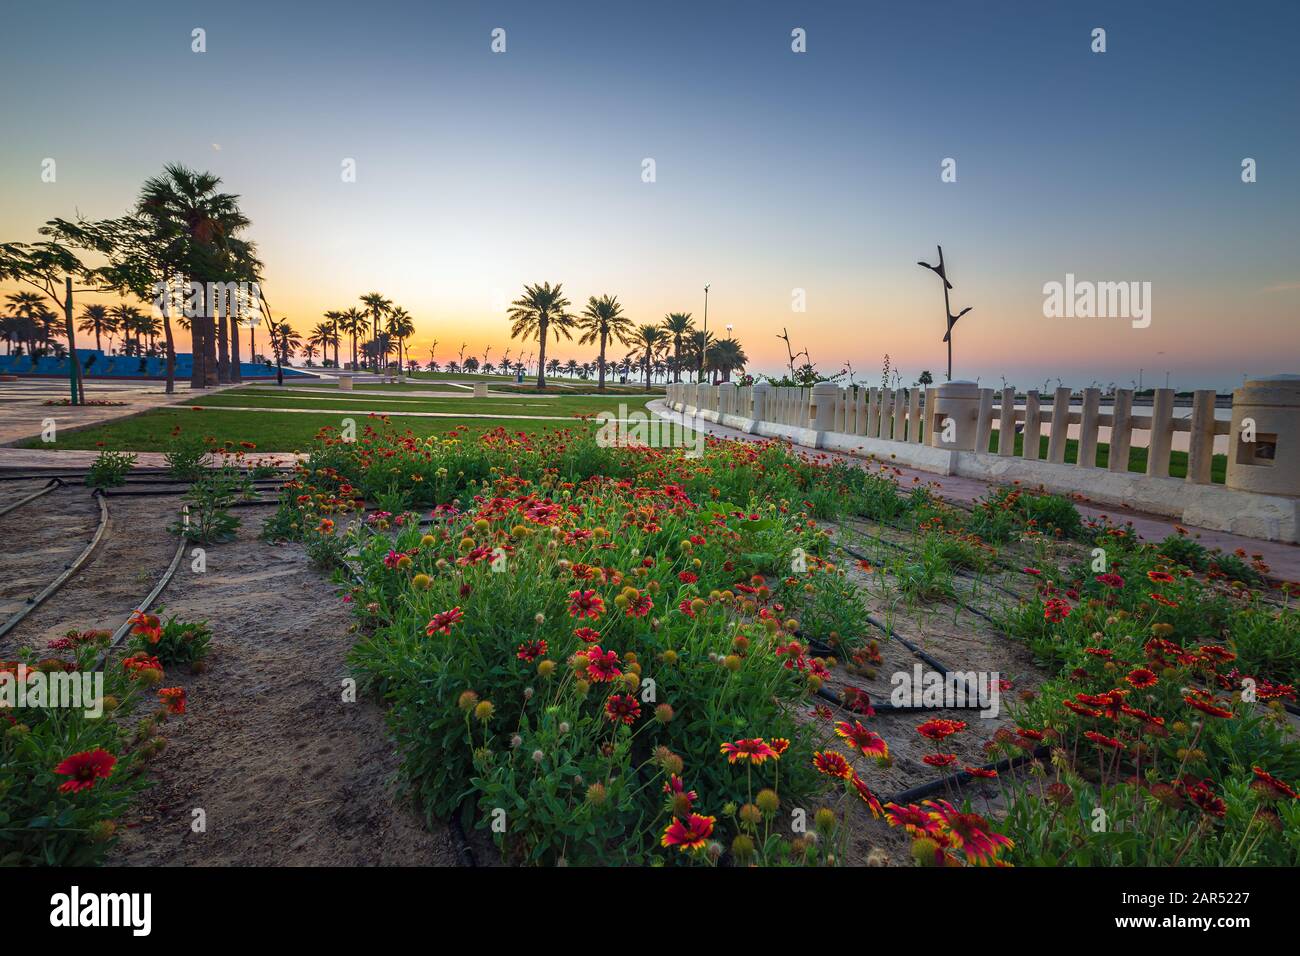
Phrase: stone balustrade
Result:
[960,428]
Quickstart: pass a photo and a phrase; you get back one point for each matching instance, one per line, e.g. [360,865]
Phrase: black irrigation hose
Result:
[961,779]
[163,492]
[884,708]
[68,572]
[144,605]
[960,572]
[49,486]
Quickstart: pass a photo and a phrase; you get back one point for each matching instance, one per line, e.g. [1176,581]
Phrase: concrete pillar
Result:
[984,421]
[345,383]
[1007,423]
[1162,433]
[1264,448]
[1200,445]
[480,389]
[955,407]
[758,407]
[1029,447]
[1088,422]
[914,415]
[1060,426]
[821,412]
[1121,430]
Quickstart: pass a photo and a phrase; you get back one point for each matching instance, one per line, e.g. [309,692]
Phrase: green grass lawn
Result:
[1137,457]
[562,405]
[152,430]
[555,386]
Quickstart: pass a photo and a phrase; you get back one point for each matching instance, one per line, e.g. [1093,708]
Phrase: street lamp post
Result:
[704,341]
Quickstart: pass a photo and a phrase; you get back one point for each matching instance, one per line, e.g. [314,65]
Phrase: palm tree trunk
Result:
[198,377]
[541,356]
[235,374]
[171,354]
[223,349]
[600,387]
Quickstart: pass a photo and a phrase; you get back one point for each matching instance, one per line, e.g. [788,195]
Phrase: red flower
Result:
[442,622]
[587,635]
[690,834]
[586,604]
[1101,740]
[1160,577]
[1206,704]
[755,750]
[622,707]
[832,763]
[1201,793]
[869,798]
[860,738]
[984,773]
[1111,580]
[531,650]
[970,832]
[639,605]
[1270,786]
[912,819]
[1055,610]
[1161,599]
[84,769]
[940,760]
[601,665]
[688,577]
[1142,678]
[940,728]
[674,786]
[779,744]
[174,698]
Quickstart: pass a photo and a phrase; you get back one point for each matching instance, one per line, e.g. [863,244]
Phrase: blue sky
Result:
[477,172]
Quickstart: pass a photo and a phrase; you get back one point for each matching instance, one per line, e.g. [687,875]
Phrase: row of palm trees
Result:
[31,328]
[388,327]
[543,309]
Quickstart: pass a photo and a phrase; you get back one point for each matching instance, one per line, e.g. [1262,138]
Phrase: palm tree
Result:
[353,321]
[678,324]
[603,321]
[401,327]
[540,309]
[696,342]
[724,357]
[310,350]
[553,366]
[195,226]
[334,317]
[649,340]
[95,318]
[28,312]
[377,305]
[571,367]
[320,338]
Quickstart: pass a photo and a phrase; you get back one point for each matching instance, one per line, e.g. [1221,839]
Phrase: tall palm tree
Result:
[571,368]
[603,321]
[95,318]
[354,322]
[334,317]
[553,366]
[377,305]
[28,311]
[649,341]
[696,343]
[195,226]
[678,324]
[539,310]
[401,327]
[724,357]
[320,338]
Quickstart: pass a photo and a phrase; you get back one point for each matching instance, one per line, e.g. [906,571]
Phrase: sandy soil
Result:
[285,771]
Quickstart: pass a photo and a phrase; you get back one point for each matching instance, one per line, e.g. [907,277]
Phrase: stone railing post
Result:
[759,406]
[821,412]
[1264,444]
[956,405]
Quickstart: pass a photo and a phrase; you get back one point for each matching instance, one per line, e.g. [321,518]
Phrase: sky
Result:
[778,175]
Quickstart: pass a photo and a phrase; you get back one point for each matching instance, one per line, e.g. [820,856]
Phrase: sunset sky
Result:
[478,172]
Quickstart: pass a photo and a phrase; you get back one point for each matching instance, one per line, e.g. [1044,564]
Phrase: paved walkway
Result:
[1282,559]
[23,412]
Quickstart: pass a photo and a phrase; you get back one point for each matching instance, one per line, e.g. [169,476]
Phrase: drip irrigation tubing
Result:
[162,492]
[63,578]
[49,486]
[144,605]
[958,780]
[960,572]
